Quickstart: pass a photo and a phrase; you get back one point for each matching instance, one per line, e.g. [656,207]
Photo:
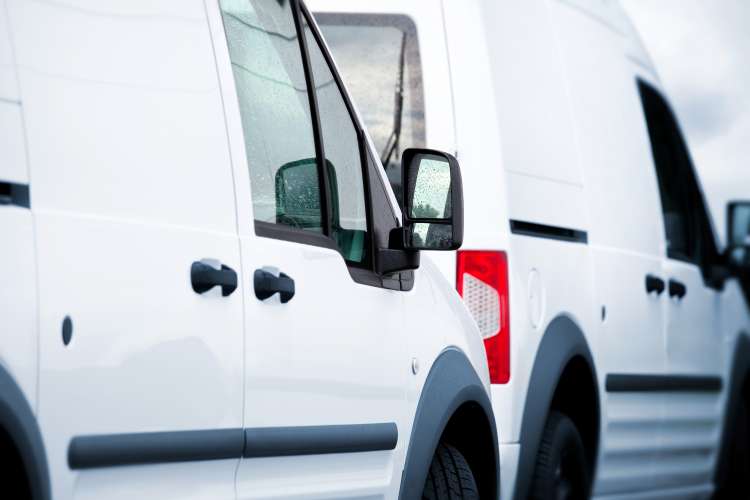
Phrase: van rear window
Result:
[378,58]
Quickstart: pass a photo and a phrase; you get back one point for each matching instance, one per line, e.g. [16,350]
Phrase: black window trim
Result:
[362,273]
[703,262]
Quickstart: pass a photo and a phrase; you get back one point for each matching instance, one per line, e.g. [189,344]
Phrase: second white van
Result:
[616,329]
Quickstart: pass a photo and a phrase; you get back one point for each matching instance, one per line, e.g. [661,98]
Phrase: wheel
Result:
[450,477]
[561,472]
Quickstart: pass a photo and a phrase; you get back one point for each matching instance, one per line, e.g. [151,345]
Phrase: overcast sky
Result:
[701,49]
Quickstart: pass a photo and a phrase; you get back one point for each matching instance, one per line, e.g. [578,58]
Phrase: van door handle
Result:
[204,277]
[677,289]
[267,284]
[654,284]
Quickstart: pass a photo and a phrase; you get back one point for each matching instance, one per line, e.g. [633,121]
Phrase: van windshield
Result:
[378,57]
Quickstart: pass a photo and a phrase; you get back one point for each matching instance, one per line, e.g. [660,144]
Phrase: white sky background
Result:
[701,49]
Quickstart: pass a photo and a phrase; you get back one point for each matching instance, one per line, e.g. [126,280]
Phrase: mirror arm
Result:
[390,261]
[396,257]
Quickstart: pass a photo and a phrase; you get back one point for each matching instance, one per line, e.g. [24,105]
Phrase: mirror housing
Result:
[738,236]
[433,205]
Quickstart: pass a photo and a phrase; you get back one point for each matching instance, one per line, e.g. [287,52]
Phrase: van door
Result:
[18,293]
[694,339]
[140,378]
[324,370]
[626,241]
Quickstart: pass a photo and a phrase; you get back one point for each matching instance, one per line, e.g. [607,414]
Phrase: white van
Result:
[616,330]
[207,290]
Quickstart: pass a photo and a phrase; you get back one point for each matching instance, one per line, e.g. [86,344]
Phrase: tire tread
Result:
[450,477]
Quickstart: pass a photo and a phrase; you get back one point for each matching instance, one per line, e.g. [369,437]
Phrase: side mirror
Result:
[433,211]
[738,236]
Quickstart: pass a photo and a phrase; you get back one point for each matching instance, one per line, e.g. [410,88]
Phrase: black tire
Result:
[561,472]
[450,477]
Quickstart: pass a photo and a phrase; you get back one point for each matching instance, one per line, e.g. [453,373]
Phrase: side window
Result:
[686,221]
[275,109]
[388,89]
[343,159]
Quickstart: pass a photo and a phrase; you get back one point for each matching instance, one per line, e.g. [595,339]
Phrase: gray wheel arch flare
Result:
[18,421]
[451,384]
[563,341]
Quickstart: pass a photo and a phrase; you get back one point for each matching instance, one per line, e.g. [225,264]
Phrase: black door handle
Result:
[654,284]
[204,277]
[677,289]
[266,284]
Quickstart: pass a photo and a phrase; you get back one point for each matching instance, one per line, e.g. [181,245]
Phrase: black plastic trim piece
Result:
[562,341]
[108,450]
[324,184]
[14,194]
[550,232]
[318,440]
[451,383]
[617,382]
[17,420]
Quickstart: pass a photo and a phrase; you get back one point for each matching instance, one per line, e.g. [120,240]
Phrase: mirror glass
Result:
[431,236]
[739,235]
[430,188]
[298,195]
[740,225]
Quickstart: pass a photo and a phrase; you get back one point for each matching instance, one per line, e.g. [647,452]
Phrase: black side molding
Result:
[662,383]
[287,441]
[87,452]
[549,232]
[14,194]
[108,450]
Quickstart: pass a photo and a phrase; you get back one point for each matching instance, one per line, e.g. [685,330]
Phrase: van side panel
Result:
[626,238]
[539,141]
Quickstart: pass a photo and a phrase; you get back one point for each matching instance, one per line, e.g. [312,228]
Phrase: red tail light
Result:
[482,281]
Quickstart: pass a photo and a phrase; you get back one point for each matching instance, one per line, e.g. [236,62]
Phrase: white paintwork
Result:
[549,128]
[18,301]
[8,77]
[126,115]
[12,144]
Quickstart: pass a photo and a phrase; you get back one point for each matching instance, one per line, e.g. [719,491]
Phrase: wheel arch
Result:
[739,387]
[563,378]
[18,423]
[453,405]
